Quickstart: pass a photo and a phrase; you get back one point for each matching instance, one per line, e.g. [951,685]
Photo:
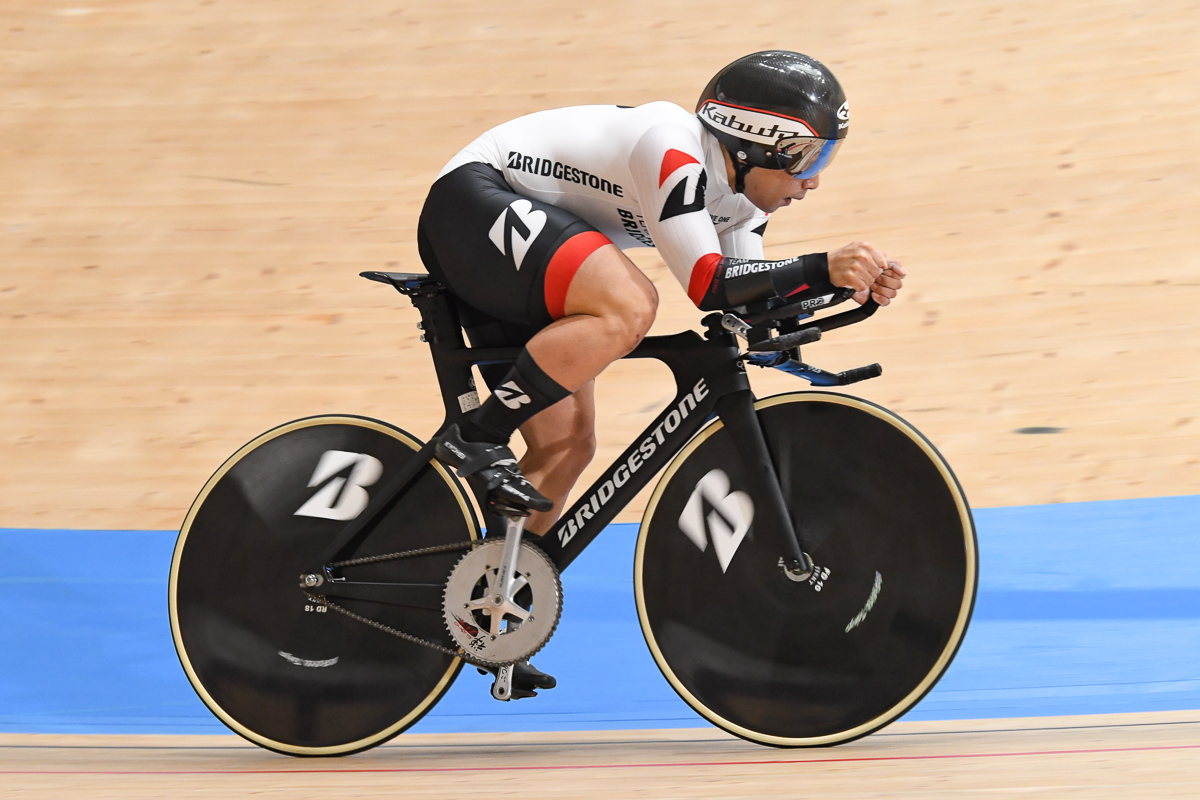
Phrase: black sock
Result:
[525,391]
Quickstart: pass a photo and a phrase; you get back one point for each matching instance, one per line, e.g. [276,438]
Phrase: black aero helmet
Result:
[778,110]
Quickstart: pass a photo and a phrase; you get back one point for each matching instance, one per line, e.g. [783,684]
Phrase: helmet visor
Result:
[805,156]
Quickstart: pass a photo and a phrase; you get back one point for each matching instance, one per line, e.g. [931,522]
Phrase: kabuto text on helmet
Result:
[778,110]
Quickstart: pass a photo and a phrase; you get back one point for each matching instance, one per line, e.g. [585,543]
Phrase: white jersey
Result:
[637,175]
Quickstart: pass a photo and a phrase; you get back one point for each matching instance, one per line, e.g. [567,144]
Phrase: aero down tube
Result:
[704,370]
[626,476]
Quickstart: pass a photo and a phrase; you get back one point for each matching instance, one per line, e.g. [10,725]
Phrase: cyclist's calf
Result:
[561,442]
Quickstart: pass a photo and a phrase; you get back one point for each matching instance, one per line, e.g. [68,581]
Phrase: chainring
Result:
[490,635]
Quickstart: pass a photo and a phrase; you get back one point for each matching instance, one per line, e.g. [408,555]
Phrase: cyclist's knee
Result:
[642,303]
[628,306]
[629,318]
[610,287]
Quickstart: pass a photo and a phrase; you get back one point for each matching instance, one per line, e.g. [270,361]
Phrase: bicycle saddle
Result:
[406,282]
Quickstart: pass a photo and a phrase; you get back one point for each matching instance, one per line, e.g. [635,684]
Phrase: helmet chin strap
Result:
[740,169]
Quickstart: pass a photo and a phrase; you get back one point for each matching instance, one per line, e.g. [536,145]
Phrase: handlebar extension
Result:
[814,375]
[787,341]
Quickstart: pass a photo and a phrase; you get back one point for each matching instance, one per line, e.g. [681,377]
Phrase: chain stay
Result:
[353,562]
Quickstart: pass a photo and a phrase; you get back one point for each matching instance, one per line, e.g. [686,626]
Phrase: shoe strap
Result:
[495,455]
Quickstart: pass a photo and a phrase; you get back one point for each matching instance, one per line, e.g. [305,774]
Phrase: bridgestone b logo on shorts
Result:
[516,228]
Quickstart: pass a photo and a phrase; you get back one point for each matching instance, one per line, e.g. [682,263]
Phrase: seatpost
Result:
[736,411]
[441,329]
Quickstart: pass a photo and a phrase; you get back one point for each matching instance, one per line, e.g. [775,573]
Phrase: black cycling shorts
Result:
[506,258]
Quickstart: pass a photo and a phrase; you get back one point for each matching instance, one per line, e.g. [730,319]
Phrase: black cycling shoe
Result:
[492,470]
[526,678]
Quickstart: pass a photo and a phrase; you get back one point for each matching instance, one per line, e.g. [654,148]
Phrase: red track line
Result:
[526,767]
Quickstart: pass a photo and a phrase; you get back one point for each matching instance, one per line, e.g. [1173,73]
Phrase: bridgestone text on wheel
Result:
[833,658]
[286,673]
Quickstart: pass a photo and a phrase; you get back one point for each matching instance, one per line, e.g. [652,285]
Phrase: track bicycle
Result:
[804,573]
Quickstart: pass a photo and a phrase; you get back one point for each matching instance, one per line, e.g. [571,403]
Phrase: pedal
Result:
[502,686]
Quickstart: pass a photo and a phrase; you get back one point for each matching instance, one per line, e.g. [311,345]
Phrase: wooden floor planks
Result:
[1100,757]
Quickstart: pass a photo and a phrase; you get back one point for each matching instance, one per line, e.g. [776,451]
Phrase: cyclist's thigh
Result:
[508,256]
[607,282]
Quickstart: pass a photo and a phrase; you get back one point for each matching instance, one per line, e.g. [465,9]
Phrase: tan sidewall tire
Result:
[965,609]
[282,747]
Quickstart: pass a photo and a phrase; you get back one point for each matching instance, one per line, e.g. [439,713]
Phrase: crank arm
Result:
[508,561]
[502,686]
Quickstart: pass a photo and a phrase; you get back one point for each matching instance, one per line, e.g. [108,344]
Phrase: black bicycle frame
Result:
[709,377]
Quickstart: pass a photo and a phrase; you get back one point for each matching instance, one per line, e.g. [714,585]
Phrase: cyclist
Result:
[526,227]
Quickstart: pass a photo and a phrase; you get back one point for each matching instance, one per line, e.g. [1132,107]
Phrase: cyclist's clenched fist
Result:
[866,270]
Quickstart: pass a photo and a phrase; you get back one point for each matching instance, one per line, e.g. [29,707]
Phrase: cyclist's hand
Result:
[886,285]
[857,266]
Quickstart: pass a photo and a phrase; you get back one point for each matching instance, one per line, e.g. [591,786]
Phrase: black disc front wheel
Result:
[288,673]
[850,649]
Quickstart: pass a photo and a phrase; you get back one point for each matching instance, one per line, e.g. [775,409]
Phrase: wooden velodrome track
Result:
[189,188]
[1063,757]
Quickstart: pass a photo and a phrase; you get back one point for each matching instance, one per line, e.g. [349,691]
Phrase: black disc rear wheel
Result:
[283,671]
[847,651]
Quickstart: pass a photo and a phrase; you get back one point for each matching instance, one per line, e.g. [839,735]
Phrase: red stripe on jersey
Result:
[673,160]
[702,275]
[564,264]
[799,288]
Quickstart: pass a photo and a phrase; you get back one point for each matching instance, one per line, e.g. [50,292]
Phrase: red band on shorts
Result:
[702,275]
[563,265]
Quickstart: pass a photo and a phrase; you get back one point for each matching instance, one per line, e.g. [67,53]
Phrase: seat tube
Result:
[443,332]
[736,411]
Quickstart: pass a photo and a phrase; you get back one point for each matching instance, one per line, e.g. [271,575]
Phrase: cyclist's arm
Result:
[721,282]
[667,165]
[743,275]
[731,282]
[745,240]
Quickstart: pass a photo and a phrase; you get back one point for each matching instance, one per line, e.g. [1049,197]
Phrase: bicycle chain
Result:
[437,548]
[353,562]
[325,601]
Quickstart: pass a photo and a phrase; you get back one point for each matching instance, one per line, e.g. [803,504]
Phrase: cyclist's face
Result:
[772,189]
